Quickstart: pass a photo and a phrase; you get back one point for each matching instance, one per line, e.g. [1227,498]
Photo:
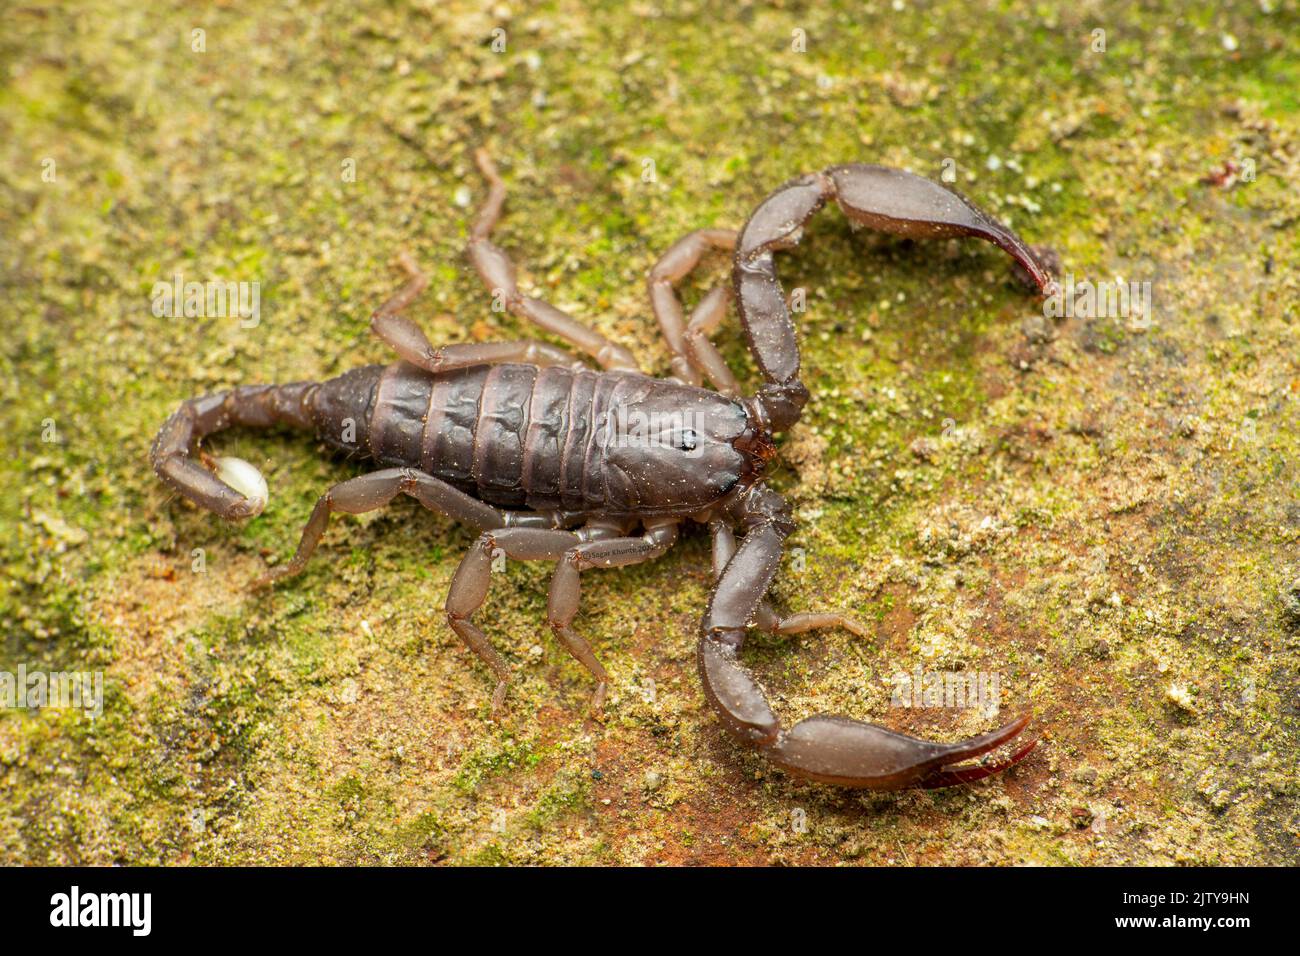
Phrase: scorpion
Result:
[524,442]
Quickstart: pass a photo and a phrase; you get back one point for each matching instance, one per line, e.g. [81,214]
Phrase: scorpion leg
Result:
[566,587]
[704,355]
[889,200]
[498,274]
[765,618]
[469,589]
[408,340]
[829,749]
[683,256]
[525,535]
[464,354]
[373,491]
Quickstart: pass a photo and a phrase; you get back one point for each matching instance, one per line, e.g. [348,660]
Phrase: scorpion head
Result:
[755,443]
[670,448]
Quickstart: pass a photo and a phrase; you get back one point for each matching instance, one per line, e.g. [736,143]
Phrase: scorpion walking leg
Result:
[683,256]
[835,750]
[498,274]
[566,587]
[706,318]
[370,492]
[408,340]
[469,589]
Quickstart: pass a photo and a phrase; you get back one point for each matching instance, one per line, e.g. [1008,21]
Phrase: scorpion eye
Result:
[687,442]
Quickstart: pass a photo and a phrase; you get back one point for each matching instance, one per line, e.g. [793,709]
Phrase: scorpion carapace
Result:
[552,460]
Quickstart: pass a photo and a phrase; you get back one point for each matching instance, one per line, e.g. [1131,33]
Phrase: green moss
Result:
[491,760]
[571,794]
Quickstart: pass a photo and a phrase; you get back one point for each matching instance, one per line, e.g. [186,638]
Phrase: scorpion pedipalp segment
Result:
[964,775]
[889,200]
[836,750]
[735,695]
[853,753]
[839,750]
[908,205]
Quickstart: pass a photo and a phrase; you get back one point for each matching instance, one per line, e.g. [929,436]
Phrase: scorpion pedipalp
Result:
[853,753]
[839,750]
[890,200]
[828,749]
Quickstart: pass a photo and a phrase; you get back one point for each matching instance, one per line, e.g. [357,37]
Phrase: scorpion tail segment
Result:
[889,200]
[232,488]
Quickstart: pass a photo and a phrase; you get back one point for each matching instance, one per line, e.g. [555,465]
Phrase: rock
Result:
[1037,329]
[1100,649]
[925,449]
[60,529]
[1181,697]
[1291,603]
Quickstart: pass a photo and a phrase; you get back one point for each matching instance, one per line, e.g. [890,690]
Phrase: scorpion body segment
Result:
[518,436]
[551,460]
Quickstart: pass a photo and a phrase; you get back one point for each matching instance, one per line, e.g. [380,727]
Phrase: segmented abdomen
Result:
[512,435]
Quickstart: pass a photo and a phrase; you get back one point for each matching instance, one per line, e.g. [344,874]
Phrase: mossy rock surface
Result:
[1103,512]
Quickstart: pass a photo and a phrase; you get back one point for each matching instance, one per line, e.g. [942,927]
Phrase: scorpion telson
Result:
[526,443]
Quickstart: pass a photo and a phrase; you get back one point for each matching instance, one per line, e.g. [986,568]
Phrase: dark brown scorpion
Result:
[551,460]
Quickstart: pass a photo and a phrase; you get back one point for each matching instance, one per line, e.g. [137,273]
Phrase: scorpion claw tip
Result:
[948,776]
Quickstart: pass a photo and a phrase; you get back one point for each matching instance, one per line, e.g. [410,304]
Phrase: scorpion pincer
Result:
[532,447]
